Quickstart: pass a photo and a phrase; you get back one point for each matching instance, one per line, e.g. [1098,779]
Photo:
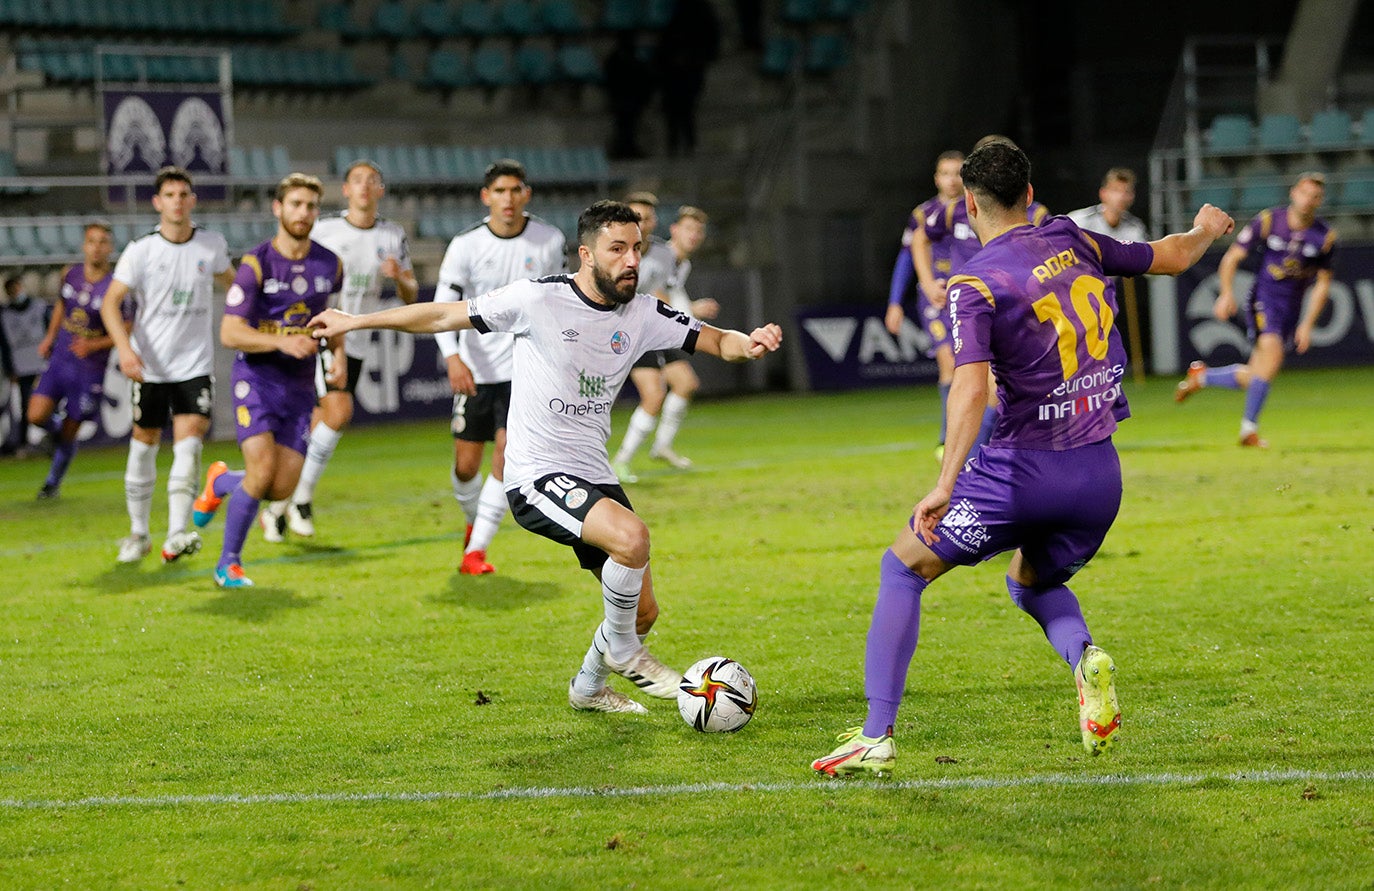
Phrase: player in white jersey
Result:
[168,354]
[664,378]
[508,245]
[372,249]
[576,337]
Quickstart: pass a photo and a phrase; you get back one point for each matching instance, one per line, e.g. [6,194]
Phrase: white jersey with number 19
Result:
[571,356]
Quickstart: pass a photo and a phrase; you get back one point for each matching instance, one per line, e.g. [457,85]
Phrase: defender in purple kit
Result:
[1297,247]
[77,348]
[1036,307]
[934,319]
[281,284]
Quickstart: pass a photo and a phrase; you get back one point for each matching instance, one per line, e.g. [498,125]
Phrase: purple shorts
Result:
[935,322]
[269,403]
[1055,506]
[1273,316]
[80,383]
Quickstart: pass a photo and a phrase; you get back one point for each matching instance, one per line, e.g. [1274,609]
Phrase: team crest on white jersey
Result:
[620,342]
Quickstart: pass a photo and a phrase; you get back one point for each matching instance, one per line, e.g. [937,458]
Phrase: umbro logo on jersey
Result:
[569,335]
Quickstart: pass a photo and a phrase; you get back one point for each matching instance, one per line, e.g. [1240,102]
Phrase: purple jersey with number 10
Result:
[1039,304]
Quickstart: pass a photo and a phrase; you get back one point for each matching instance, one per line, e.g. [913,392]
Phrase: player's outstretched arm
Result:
[736,346]
[417,318]
[1178,252]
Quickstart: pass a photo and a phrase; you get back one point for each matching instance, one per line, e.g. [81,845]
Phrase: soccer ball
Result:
[717,695]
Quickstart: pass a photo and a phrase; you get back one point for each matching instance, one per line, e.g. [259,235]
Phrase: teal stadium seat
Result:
[1258,194]
[621,15]
[801,12]
[519,18]
[826,52]
[73,236]
[1217,192]
[259,164]
[1279,132]
[447,69]
[1366,128]
[1329,129]
[433,20]
[561,17]
[392,21]
[1358,191]
[578,64]
[476,18]
[1229,133]
[493,66]
[535,64]
[238,161]
[779,54]
[25,240]
[279,161]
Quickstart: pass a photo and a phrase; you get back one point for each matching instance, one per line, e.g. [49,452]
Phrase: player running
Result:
[1037,306]
[575,339]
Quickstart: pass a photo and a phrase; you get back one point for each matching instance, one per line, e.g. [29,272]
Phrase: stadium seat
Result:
[279,161]
[1358,191]
[1367,127]
[842,10]
[492,66]
[1329,129]
[434,20]
[779,54]
[1256,195]
[621,15]
[238,161]
[73,235]
[1218,192]
[1279,132]
[259,163]
[535,64]
[476,18]
[518,18]
[561,17]
[392,21]
[801,12]
[1229,133]
[579,64]
[826,52]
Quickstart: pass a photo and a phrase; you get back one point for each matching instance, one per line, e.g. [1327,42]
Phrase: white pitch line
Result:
[1263,777]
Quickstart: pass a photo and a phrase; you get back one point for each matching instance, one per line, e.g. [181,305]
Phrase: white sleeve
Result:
[127,270]
[449,290]
[221,254]
[505,309]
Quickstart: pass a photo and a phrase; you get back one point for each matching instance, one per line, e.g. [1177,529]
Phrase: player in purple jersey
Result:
[1296,247]
[281,284]
[1036,306]
[77,348]
[934,319]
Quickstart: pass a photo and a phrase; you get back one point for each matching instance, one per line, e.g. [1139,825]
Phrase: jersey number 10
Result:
[1087,298]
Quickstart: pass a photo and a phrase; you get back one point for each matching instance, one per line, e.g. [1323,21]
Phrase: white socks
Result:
[616,634]
[491,507]
[467,493]
[323,439]
[674,410]
[641,425]
[181,483]
[140,475]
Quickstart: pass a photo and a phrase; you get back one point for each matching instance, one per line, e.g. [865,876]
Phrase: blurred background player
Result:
[77,348]
[281,284]
[373,249]
[23,325]
[507,246]
[560,482]
[1048,483]
[934,319]
[664,378]
[1111,215]
[1296,249]
[168,355]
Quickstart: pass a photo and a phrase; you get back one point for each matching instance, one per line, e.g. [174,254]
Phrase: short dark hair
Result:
[951,155]
[175,175]
[1000,171]
[503,167]
[104,225]
[599,216]
[649,199]
[1119,175]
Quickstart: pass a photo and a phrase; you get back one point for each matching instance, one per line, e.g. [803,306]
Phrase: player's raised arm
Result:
[417,318]
[1177,252]
[736,346]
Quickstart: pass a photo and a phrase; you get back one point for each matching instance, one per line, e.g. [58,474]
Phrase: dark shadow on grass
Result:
[123,579]
[256,605]
[494,592]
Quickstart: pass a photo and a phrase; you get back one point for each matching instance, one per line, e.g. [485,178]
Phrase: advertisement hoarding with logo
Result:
[847,347]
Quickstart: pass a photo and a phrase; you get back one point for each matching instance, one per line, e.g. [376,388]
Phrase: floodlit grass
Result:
[322,730]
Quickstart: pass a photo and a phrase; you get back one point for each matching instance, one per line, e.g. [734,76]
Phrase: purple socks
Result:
[1059,616]
[238,518]
[891,642]
[1255,394]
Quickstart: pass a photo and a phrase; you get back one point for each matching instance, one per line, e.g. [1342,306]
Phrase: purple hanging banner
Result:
[146,130]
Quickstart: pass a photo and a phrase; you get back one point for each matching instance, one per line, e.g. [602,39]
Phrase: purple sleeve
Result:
[242,298]
[902,274]
[1123,257]
[970,314]
[934,224]
[1250,235]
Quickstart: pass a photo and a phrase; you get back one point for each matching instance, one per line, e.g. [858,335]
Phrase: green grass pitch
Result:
[323,729]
